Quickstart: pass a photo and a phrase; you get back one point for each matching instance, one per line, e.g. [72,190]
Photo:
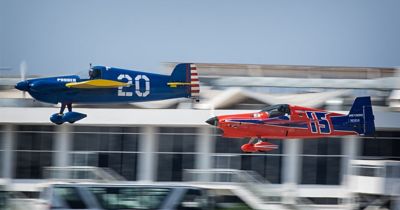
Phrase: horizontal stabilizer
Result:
[176,84]
[185,76]
[97,83]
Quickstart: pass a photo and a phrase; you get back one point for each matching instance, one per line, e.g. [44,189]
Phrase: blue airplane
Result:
[111,85]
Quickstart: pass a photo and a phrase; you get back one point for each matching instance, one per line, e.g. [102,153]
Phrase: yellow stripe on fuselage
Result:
[97,83]
[175,84]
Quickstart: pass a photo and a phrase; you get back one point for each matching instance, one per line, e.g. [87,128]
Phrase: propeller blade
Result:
[22,71]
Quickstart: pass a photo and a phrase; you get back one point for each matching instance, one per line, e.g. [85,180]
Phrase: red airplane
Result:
[285,121]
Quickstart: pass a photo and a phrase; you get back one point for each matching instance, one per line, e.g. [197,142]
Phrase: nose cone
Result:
[22,86]
[213,121]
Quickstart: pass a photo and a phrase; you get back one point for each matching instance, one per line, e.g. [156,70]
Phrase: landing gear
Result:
[258,145]
[254,140]
[70,116]
[63,105]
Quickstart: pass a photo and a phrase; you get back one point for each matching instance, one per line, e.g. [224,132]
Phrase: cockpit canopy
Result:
[95,72]
[277,110]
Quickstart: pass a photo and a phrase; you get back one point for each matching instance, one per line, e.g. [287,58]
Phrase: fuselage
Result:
[298,122]
[143,86]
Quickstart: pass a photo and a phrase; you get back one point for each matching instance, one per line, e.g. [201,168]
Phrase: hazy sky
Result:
[64,36]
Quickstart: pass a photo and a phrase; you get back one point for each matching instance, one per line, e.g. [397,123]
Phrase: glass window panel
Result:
[30,165]
[324,201]
[84,159]
[180,130]
[1,154]
[177,143]
[1,138]
[383,145]
[113,198]
[266,166]
[123,163]
[71,197]
[393,171]
[1,163]
[321,170]
[227,161]
[106,129]
[35,128]
[129,165]
[323,146]
[130,142]
[368,171]
[34,141]
[105,142]
[86,142]
[171,166]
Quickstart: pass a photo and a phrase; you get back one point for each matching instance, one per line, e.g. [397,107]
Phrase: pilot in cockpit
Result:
[94,73]
[278,110]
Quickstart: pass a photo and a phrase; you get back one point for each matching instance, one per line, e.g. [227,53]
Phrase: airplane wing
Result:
[97,83]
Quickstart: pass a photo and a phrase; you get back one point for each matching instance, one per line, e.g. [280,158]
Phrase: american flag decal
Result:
[194,83]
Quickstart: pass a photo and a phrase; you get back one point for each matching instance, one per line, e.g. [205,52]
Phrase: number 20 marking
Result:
[138,91]
[318,119]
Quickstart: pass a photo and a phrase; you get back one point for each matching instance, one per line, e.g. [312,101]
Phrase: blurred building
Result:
[159,141]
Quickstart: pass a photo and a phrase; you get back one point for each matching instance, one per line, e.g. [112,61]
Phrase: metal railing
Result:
[251,181]
[87,173]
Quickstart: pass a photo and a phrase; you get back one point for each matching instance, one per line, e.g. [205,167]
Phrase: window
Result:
[3,199]
[34,150]
[71,197]
[113,198]
[268,166]
[88,138]
[322,146]
[95,73]
[30,165]
[321,161]
[176,152]
[385,145]
[1,154]
[365,170]
[321,170]
[35,137]
[193,199]
[324,201]
[228,155]
[1,163]
[109,147]
[393,171]
[277,110]
[171,166]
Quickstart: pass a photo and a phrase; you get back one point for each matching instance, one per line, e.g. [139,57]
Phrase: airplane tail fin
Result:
[361,117]
[185,74]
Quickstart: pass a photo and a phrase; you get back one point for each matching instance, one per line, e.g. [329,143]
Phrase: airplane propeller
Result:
[213,120]
[23,85]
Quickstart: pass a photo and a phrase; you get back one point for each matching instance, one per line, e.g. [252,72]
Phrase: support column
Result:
[62,145]
[204,149]
[291,161]
[8,154]
[351,148]
[147,160]
[291,168]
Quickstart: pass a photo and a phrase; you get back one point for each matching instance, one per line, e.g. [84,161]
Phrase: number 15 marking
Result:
[318,119]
